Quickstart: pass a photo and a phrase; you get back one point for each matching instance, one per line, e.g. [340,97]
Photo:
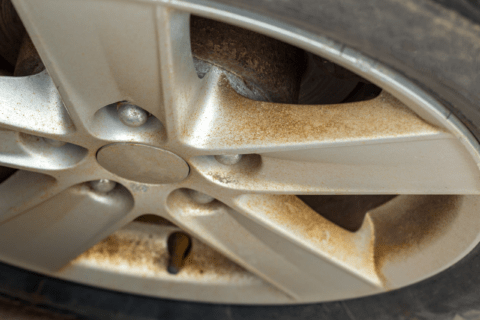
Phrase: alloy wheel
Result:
[121,126]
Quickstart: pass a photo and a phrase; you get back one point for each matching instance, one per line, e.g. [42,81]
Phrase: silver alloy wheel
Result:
[278,250]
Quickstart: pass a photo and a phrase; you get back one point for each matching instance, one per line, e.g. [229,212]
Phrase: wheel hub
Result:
[143,163]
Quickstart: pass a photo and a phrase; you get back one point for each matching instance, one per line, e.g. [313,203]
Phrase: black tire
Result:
[436,44]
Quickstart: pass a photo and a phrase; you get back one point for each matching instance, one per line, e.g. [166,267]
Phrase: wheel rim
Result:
[242,206]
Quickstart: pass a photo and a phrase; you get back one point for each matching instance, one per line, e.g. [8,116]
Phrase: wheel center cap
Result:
[143,163]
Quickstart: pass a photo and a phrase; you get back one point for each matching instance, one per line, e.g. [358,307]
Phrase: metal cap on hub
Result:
[143,163]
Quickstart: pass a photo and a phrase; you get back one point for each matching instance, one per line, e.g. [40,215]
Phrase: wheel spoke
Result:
[24,190]
[35,154]
[230,123]
[51,234]
[415,167]
[181,85]
[368,147]
[311,257]
[122,51]
[32,105]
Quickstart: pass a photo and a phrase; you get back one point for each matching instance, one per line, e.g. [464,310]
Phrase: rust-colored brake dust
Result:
[262,122]
[141,250]
[346,211]
[392,231]
[289,213]
[412,226]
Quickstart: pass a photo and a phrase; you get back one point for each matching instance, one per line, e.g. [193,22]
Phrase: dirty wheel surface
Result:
[157,156]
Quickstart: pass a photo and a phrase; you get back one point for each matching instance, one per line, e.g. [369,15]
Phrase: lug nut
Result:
[200,197]
[103,185]
[54,143]
[229,159]
[131,115]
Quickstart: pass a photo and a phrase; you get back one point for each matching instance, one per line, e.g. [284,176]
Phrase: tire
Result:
[435,44]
